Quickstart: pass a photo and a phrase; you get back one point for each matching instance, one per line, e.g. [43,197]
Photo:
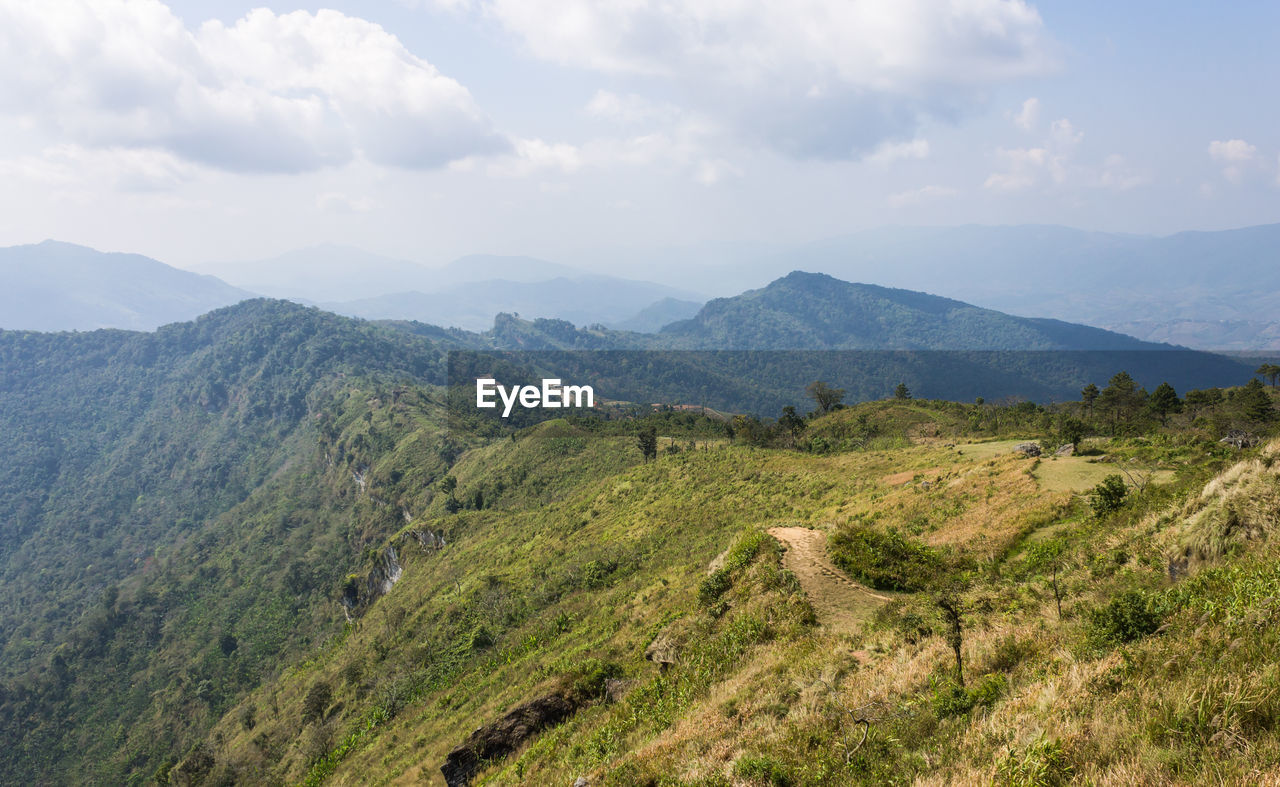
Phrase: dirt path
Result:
[839,601]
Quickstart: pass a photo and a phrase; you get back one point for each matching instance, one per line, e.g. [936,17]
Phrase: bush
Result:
[884,560]
[1009,652]
[762,770]
[952,699]
[317,701]
[1109,495]
[587,681]
[713,587]
[1041,764]
[1128,617]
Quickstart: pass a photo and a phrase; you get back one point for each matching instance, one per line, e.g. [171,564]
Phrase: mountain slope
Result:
[169,496]
[647,598]
[1097,278]
[814,311]
[756,352]
[656,316]
[54,286]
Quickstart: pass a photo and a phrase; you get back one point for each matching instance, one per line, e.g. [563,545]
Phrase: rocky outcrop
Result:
[662,651]
[1028,449]
[361,590]
[502,737]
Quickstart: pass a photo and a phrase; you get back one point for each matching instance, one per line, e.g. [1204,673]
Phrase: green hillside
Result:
[170,496]
[756,352]
[813,311]
[255,549]
[591,568]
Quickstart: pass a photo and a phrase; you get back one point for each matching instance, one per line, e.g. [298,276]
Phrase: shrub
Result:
[762,770]
[1109,495]
[713,587]
[952,699]
[317,701]
[885,560]
[988,690]
[1128,617]
[587,681]
[1009,652]
[1041,764]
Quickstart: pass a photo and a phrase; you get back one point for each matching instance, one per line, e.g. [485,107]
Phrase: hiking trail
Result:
[839,602]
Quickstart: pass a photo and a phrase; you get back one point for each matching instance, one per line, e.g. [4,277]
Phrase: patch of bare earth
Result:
[839,602]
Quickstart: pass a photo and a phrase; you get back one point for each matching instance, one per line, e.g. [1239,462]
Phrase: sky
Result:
[586,132]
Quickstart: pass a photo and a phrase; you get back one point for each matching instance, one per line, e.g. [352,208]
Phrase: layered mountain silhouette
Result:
[55,286]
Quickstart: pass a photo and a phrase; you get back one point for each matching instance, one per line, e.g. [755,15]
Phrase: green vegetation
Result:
[885,560]
[256,549]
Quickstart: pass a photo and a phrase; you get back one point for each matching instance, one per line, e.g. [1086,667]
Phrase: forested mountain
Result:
[1173,287]
[167,495]
[813,311]
[755,352]
[55,286]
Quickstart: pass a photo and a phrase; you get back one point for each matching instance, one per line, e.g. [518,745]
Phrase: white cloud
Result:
[889,152]
[1029,115]
[808,78]
[1055,163]
[1237,156]
[629,109]
[271,93]
[73,167]
[920,195]
[1116,174]
[1026,167]
[527,157]
[1231,150]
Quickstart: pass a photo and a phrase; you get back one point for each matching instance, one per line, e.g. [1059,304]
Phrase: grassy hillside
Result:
[255,549]
[652,599]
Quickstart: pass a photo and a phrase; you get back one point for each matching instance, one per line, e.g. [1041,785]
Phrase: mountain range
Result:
[54,286]
[194,521]
[1206,290]
[1154,287]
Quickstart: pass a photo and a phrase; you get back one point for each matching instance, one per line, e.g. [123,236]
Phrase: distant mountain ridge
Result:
[466,293]
[1161,285]
[582,300]
[54,286]
[814,311]
[330,273]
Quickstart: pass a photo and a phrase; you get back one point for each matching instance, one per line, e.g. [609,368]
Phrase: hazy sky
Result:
[428,129]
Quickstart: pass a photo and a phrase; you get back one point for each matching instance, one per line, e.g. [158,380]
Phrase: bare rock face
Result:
[1065,450]
[1029,449]
[502,737]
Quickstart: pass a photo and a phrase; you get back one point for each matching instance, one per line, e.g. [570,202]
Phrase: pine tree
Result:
[647,440]
[1164,400]
[1255,402]
[1089,395]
